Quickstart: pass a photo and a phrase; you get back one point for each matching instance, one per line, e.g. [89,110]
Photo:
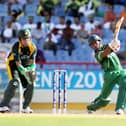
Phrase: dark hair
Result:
[68,22]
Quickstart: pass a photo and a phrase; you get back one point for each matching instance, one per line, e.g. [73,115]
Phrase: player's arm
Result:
[106,52]
[16,57]
[31,68]
[28,72]
[32,64]
[21,68]
[114,45]
[29,75]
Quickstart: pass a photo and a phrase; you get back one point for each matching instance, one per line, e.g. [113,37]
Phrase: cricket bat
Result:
[117,28]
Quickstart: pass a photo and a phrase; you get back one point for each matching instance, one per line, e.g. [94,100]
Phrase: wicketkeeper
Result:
[113,74]
[21,65]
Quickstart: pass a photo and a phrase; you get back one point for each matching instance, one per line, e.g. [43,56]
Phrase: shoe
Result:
[27,110]
[4,109]
[90,111]
[119,111]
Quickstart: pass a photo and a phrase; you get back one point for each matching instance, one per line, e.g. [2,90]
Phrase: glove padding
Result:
[115,45]
[30,76]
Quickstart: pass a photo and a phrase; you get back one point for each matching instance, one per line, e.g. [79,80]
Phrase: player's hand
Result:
[115,45]
[24,71]
[30,76]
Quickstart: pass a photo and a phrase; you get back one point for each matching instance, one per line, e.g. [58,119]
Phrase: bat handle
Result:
[115,38]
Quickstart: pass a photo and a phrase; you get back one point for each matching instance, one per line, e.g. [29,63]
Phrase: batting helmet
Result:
[24,33]
[94,38]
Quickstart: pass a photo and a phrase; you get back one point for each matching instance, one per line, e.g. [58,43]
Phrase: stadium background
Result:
[84,74]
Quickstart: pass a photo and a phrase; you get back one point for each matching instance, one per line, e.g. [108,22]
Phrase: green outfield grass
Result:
[61,120]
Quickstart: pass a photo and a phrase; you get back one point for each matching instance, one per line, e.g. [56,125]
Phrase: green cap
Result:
[24,33]
[93,38]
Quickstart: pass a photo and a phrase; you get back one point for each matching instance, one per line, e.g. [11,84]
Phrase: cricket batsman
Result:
[113,74]
[21,65]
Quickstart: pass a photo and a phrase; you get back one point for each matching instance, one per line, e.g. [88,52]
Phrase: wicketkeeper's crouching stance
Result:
[113,74]
[21,61]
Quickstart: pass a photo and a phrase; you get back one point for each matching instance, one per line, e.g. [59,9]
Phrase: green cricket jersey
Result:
[110,63]
[22,54]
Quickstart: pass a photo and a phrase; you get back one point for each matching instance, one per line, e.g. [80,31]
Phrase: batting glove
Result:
[115,45]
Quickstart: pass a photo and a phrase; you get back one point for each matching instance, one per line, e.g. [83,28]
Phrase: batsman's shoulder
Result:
[32,46]
[16,44]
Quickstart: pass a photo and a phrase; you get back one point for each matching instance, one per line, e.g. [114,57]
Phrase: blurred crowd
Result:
[62,24]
